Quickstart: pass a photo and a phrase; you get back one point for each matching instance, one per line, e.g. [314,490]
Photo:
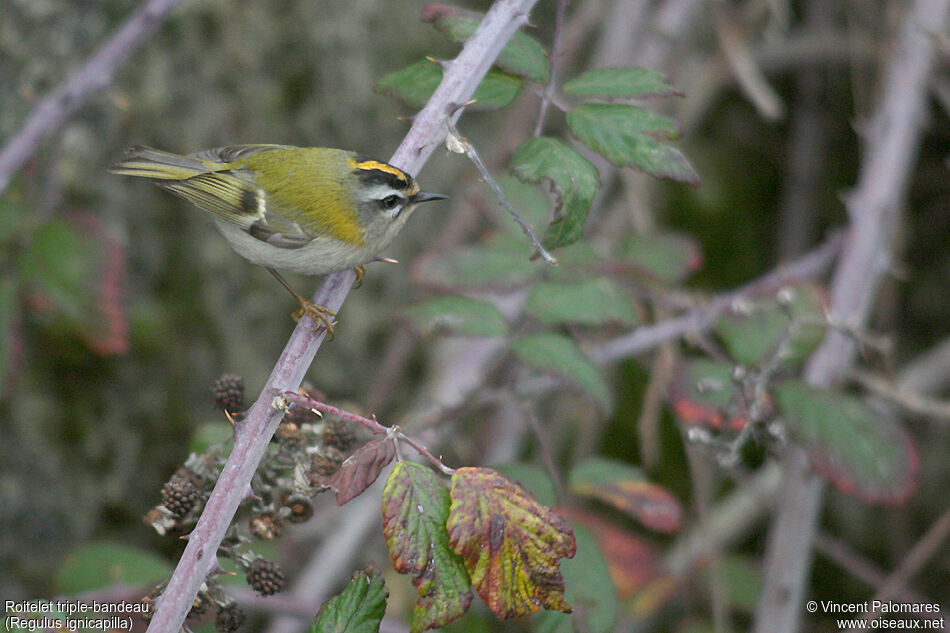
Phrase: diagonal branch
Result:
[94,76]
[252,435]
[874,207]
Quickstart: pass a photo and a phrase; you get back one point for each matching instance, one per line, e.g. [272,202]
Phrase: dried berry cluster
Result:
[305,449]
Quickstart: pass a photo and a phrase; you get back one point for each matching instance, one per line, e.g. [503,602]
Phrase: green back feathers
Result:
[281,194]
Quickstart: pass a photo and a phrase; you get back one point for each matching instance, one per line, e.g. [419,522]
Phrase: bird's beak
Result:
[422,196]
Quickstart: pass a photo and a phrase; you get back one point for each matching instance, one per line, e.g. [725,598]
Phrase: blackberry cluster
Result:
[265,577]
[229,619]
[339,434]
[228,391]
[179,496]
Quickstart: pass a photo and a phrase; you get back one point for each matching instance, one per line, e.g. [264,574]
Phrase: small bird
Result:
[309,210]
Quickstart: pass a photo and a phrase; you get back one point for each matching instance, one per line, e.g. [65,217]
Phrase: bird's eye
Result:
[390,201]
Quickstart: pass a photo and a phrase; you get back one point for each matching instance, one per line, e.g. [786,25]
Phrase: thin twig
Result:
[912,401]
[547,96]
[461,145]
[370,423]
[95,75]
[697,321]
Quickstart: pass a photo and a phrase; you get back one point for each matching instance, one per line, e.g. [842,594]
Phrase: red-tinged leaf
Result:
[634,561]
[361,469]
[357,609]
[415,509]
[107,333]
[511,544]
[860,450]
[77,272]
[703,393]
[626,489]
[589,588]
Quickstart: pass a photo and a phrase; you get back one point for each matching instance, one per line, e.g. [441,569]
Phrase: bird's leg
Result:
[321,314]
[360,273]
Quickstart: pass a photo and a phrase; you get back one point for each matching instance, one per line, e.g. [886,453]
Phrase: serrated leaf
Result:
[415,511]
[462,316]
[627,489]
[414,85]
[703,393]
[574,178]
[361,469]
[499,264]
[619,83]
[629,136]
[97,565]
[511,544]
[359,608]
[589,589]
[858,449]
[523,55]
[592,302]
[755,334]
[560,356]
[669,256]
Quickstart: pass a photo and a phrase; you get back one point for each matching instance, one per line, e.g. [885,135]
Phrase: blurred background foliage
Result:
[120,305]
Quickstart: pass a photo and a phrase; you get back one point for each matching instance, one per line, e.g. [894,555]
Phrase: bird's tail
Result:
[147,162]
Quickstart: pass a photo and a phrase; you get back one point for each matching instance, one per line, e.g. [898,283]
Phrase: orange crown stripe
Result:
[383,167]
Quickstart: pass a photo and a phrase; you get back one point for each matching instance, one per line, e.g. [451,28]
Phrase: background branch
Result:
[874,206]
[94,76]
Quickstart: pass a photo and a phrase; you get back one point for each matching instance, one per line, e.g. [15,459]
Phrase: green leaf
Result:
[523,55]
[589,588]
[97,565]
[704,392]
[858,449]
[755,334]
[462,316]
[628,490]
[415,509]
[500,264]
[414,85]
[742,581]
[15,218]
[574,178]
[59,265]
[669,256]
[560,356]
[619,82]
[511,544]
[9,320]
[357,609]
[593,302]
[629,136]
